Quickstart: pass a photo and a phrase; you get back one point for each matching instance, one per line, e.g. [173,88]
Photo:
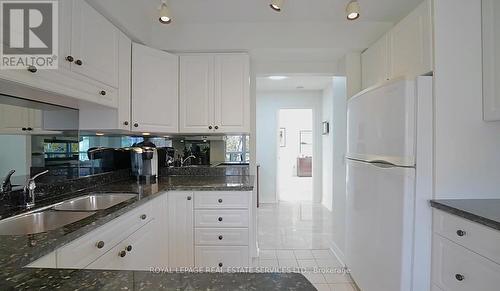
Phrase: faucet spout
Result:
[186,159]
[6,185]
[29,190]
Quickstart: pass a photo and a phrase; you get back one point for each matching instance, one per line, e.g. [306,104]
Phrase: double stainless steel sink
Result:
[60,214]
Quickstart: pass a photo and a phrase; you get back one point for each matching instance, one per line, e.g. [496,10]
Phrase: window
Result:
[237,148]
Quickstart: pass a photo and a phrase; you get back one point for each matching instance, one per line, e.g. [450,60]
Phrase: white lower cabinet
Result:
[463,255]
[180,228]
[221,257]
[221,236]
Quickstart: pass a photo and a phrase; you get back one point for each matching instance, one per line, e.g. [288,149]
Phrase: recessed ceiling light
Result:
[99,134]
[165,16]
[146,133]
[353,10]
[277,78]
[276,5]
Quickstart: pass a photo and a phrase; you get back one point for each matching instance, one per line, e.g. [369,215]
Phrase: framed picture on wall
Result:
[282,137]
[326,127]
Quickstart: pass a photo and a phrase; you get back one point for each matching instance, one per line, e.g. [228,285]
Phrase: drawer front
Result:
[454,268]
[81,252]
[221,236]
[221,218]
[207,200]
[478,238]
[221,257]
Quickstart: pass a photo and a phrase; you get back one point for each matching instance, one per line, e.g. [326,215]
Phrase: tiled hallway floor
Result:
[295,237]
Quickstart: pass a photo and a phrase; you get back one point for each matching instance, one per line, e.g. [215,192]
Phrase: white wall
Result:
[467,149]
[268,104]
[327,143]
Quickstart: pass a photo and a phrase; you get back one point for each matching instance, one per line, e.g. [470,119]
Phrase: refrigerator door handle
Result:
[382,164]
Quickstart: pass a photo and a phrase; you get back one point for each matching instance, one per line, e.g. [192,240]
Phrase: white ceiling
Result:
[294,83]
[308,36]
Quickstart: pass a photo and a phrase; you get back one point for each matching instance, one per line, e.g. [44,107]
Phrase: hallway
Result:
[295,237]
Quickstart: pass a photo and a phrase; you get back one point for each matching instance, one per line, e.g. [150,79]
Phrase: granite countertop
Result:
[19,250]
[483,211]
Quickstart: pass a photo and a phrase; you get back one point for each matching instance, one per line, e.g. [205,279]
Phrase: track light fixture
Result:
[165,16]
[353,10]
[276,5]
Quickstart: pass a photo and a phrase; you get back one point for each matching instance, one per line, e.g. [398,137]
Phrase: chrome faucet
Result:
[186,159]
[6,185]
[29,190]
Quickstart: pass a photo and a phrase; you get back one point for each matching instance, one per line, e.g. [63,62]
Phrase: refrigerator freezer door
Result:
[379,237]
[381,124]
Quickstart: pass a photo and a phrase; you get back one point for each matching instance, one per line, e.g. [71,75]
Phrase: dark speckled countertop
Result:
[18,251]
[483,211]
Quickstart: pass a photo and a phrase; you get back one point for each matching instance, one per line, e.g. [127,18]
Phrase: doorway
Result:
[295,155]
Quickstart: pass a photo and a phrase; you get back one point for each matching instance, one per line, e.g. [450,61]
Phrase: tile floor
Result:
[295,237]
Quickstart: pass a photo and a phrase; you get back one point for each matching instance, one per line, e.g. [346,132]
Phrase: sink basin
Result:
[94,202]
[38,222]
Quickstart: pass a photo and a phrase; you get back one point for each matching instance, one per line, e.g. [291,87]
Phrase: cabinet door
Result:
[232,93]
[411,43]
[35,119]
[95,43]
[196,93]
[375,63]
[13,118]
[154,90]
[491,60]
[180,229]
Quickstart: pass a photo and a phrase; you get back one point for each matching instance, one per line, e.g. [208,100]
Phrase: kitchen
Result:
[145,146]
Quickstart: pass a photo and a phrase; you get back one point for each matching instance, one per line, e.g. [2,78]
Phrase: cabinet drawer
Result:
[203,200]
[454,268]
[221,218]
[221,257]
[478,238]
[221,236]
[81,252]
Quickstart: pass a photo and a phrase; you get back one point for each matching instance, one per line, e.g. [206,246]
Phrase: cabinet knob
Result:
[100,244]
[70,59]
[220,237]
[461,232]
[79,62]
[122,253]
[189,198]
[30,129]
[32,69]
[220,218]
[216,127]
[125,123]
[24,129]
[103,93]
[221,264]
[210,127]
[144,216]
[136,124]
[220,200]
[459,277]
[129,248]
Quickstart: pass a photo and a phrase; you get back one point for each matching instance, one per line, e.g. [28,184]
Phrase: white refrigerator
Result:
[388,231]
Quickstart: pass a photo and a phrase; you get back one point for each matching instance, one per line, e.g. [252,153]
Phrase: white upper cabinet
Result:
[19,120]
[491,60]
[196,88]
[154,90]
[375,63]
[94,45]
[232,93]
[411,43]
[405,51]
[214,93]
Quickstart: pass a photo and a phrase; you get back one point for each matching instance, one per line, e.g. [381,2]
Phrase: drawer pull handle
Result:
[221,264]
[122,254]
[459,277]
[32,69]
[189,198]
[144,216]
[129,248]
[79,62]
[220,218]
[220,200]
[70,59]
[220,237]
[461,232]
[103,93]
[100,244]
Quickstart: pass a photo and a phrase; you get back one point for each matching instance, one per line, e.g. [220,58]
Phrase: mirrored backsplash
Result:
[35,137]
